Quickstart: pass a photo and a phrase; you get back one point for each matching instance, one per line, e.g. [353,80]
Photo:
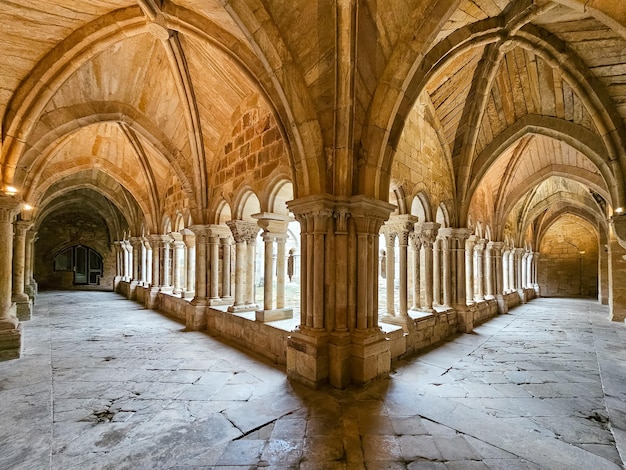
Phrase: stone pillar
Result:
[281,271]
[148,248]
[166,264]
[10,328]
[500,268]
[143,274]
[178,262]
[117,248]
[512,270]
[244,233]
[529,270]
[416,248]
[535,271]
[428,235]
[489,271]
[190,263]
[22,301]
[479,251]
[214,264]
[524,270]
[446,277]
[274,230]
[251,273]
[338,340]
[195,311]
[436,284]
[469,269]
[519,274]
[135,244]
[603,270]
[127,260]
[617,268]
[226,272]
[28,264]
[401,226]
[465,314]
[155,285]
[390,268]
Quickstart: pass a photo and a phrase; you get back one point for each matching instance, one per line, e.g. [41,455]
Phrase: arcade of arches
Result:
[333,183]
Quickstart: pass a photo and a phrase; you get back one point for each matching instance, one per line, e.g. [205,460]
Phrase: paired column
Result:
[469,269]
[189,240]
[21,299]
[416,248]
[147,248]
[274,231]
[10,329]
[30,287]
[390,267]
[219,239]
[457,239]
[244,233]
[479,268]
[428,234]
[178,262]
[400,227]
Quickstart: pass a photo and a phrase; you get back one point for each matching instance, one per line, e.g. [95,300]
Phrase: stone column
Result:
[536,273]
[512,270]
[190,263]
[428,234]
[274,229]
[135,244]
[143,275]
[465,314]
[390,268]
[518,262]
[338,340]
[281,271]
[250,273]
[529,270]
[214,260]
[500,268]
[401,226]
[148,248]
[166,265]
[195,311]
[416,248]
[226,273]
[524,270]
[469,269]
[617,268]
[446,278]
[479,250]
[155,285]
[179,262]
[10,328]
[21,299]
[243,233]
[128,260]
[117,248]
[489,271]
[436,284]
[28,264]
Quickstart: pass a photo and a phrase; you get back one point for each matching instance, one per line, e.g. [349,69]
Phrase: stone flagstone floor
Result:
[106,384]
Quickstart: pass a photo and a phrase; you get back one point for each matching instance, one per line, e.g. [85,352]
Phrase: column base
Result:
[503,307]
[339,349]
[370,356]
[24,310]
[151,298]
[465,318]
[273,315]
[166,289]
[307,357]
[522,295]
[10,339]
[188,294]
[132,290]
[178,291]
[220,301]
[243,308]
[195,317]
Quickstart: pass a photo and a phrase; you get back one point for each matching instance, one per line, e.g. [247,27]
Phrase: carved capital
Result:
[427,232]
[243,231]
[9,207]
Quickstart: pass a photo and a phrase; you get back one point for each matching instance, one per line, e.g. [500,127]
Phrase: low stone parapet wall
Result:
[266,340]
[485,309]
[172,305]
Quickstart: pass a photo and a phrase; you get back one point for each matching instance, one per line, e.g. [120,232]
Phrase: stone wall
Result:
[64,230]
[253,154]
[568,264]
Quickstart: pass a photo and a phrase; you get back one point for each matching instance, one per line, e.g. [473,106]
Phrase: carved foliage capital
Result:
[243,231]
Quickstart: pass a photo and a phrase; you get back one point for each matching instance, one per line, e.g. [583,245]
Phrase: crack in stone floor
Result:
[106,384]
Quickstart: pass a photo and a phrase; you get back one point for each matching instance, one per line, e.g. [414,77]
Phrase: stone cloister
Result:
[334,184]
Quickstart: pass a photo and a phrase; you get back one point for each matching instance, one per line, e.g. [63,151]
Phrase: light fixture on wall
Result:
[27,207]
[619,210]
[10,190]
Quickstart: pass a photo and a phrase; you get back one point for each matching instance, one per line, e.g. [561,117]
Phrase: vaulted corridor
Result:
[106,383]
